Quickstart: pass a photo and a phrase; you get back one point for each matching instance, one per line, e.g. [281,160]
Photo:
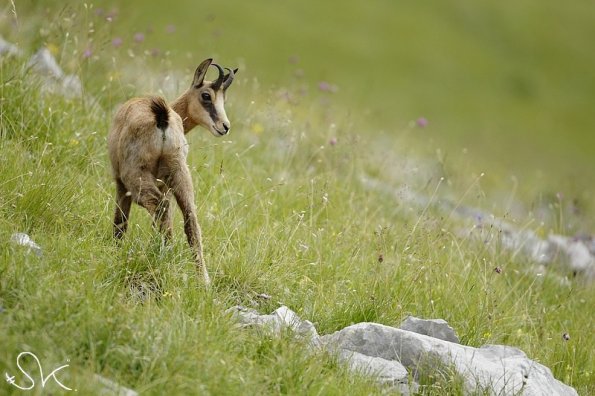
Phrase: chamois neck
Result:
[180,106]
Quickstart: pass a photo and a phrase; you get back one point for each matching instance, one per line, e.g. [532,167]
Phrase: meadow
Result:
[426,96]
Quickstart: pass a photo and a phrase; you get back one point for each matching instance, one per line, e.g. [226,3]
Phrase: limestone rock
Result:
[387,372]
[23,239]
[7,48]
[112,388]
[502,370]
[437,328]
[281,318]
[55,80]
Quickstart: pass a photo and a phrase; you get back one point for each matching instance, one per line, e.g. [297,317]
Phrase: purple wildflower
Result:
[422,122]
[327,87]
[139,37]
[87,53]
[117,42]
[332,141]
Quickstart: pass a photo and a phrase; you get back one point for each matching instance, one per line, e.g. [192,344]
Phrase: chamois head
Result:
[206,99]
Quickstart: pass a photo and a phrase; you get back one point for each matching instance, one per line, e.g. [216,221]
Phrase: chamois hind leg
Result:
[181,185]
[123,203]
[143,188]
[166,219]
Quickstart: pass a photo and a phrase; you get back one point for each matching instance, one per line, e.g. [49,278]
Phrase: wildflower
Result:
[87,53]
[257,128]
[111,15]
[422,122]
[332,141]
[139,37]
[117,42]
[53,48]
[326,87]
[170,29]
[498,270]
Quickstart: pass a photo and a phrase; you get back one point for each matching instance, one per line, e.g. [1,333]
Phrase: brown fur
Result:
[149,162]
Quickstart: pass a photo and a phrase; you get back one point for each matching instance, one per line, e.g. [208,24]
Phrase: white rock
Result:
[386,372]
[7,48]
[55,80]
[23,239]
[71,86]
[281,318]
[43,62]
[500,369]
[112,388]
[575,252]
[437,328]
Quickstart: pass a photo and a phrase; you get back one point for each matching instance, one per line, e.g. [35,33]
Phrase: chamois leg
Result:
[181,184]
[166,219]
[144,191]
[123,203]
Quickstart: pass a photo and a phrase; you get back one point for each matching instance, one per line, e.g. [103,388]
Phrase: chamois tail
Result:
[159,109]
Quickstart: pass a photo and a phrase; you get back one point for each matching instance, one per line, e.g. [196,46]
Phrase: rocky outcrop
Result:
[54,79]
[437,328]
[574,254]
[392,355]
[25,240]
[495,369]
[111,388]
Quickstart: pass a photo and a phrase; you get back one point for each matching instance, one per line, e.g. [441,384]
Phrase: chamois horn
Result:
[229,78]
[217,84]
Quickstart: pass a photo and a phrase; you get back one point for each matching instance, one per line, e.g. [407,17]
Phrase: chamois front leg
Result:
[123,203]
[181,183]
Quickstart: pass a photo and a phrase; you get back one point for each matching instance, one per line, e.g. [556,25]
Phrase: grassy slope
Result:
[284,213]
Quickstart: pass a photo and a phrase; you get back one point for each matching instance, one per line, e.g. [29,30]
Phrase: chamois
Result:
[148,148]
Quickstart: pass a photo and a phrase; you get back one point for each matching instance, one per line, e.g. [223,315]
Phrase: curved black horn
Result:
[229,78]
[217,84]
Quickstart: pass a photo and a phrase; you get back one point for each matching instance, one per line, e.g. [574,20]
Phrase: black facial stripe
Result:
[210,108]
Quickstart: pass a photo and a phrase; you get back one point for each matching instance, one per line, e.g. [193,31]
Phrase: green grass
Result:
[283,211]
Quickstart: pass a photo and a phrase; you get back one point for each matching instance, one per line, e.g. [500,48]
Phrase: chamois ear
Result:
[201,72]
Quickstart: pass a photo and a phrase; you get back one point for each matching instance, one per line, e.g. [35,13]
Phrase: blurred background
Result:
[506,88]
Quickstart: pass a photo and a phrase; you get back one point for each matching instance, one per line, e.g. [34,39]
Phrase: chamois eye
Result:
[206,96]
